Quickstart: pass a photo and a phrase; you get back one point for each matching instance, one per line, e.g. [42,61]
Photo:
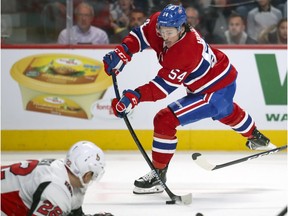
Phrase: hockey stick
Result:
[202,162]
[185,199]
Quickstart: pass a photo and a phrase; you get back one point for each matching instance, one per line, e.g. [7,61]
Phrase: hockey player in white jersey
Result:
[51,187]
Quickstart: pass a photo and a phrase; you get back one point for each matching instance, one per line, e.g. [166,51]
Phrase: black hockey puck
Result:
[199,214]
[170,202]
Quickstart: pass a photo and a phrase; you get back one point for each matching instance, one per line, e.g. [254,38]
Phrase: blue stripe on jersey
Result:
[167,87]
[213,81]
[200,71]
[136,32]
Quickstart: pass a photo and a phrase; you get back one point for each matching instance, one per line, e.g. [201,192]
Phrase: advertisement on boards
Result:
[60,89]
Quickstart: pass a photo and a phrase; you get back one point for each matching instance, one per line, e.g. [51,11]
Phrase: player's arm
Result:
[138,38]
[134,42]
[156,89]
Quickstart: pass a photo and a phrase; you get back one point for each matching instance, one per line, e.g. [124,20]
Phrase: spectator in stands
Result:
[214,20]
[193,19]
[83,32]
[262,17]
[285,10]
[54,19]
[137,18]
[119,14]
[102,15]
[236,31]
[143,5]
[192,16]
[275,34]
[242,7]
[281,5]
[158,5]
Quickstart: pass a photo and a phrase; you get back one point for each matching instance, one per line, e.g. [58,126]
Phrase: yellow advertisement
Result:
[60,84]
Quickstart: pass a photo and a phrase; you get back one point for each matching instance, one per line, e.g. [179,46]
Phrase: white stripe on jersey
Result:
[167,141]
[135,35]
[235,127]
[202,102]
[164,151]
[213,80]
[244,120]
[160,88]
[143,35]
[166,82]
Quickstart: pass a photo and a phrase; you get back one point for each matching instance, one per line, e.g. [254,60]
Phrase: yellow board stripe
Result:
[46,140]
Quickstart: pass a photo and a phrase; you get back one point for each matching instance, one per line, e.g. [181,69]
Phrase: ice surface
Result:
[253,188]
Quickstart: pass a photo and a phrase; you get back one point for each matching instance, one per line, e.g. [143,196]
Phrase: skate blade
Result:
[266,148]
[261,148]
[152,190]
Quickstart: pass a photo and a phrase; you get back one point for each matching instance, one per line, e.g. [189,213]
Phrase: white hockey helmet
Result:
[83,157]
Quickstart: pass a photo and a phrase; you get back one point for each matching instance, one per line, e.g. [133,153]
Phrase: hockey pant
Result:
[218,105]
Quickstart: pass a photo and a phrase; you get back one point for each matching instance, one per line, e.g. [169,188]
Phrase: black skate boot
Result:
[148,184]
[259,142]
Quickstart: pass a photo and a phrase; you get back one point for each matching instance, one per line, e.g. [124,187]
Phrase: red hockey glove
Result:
[125,105]
[115,61]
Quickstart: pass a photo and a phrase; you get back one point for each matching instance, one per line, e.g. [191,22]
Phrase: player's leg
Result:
[240,121]
[184,111]
[164,146]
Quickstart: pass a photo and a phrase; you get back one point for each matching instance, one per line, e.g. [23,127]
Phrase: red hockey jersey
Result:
[190,62]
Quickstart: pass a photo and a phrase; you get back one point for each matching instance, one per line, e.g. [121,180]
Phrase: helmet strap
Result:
[84,185]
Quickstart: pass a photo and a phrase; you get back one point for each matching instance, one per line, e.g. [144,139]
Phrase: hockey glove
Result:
[79,212]
[103,214]
[125,105]
[115,61]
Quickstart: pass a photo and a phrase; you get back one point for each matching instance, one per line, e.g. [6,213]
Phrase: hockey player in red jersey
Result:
[51,187]
[186,60]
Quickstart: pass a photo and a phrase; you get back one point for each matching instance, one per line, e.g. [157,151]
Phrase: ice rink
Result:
[253,188]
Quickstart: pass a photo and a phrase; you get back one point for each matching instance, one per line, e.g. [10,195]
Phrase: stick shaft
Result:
[140,147]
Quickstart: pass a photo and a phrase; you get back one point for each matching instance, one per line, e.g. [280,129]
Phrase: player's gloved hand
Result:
[115,61]
[79,212]
[128,101]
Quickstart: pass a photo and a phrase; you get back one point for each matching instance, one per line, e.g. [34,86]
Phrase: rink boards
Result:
[58,122]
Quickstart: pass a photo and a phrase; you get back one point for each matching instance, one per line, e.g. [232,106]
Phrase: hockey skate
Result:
[259,142]
[149,184]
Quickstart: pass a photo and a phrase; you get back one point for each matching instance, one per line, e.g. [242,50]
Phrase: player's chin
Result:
[169,44]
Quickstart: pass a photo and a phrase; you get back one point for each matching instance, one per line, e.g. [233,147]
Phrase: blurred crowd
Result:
[108,21]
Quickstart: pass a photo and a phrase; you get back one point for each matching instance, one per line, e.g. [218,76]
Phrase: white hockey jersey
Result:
[19,182]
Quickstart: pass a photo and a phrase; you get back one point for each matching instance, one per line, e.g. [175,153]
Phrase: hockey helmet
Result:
[172,16]
[85,156]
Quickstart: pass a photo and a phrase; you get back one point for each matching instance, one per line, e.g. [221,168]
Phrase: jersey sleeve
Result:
[160,87]
[139,38]
[54,201]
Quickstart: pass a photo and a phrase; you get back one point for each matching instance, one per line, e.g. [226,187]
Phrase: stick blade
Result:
[185,199]
[202,162]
